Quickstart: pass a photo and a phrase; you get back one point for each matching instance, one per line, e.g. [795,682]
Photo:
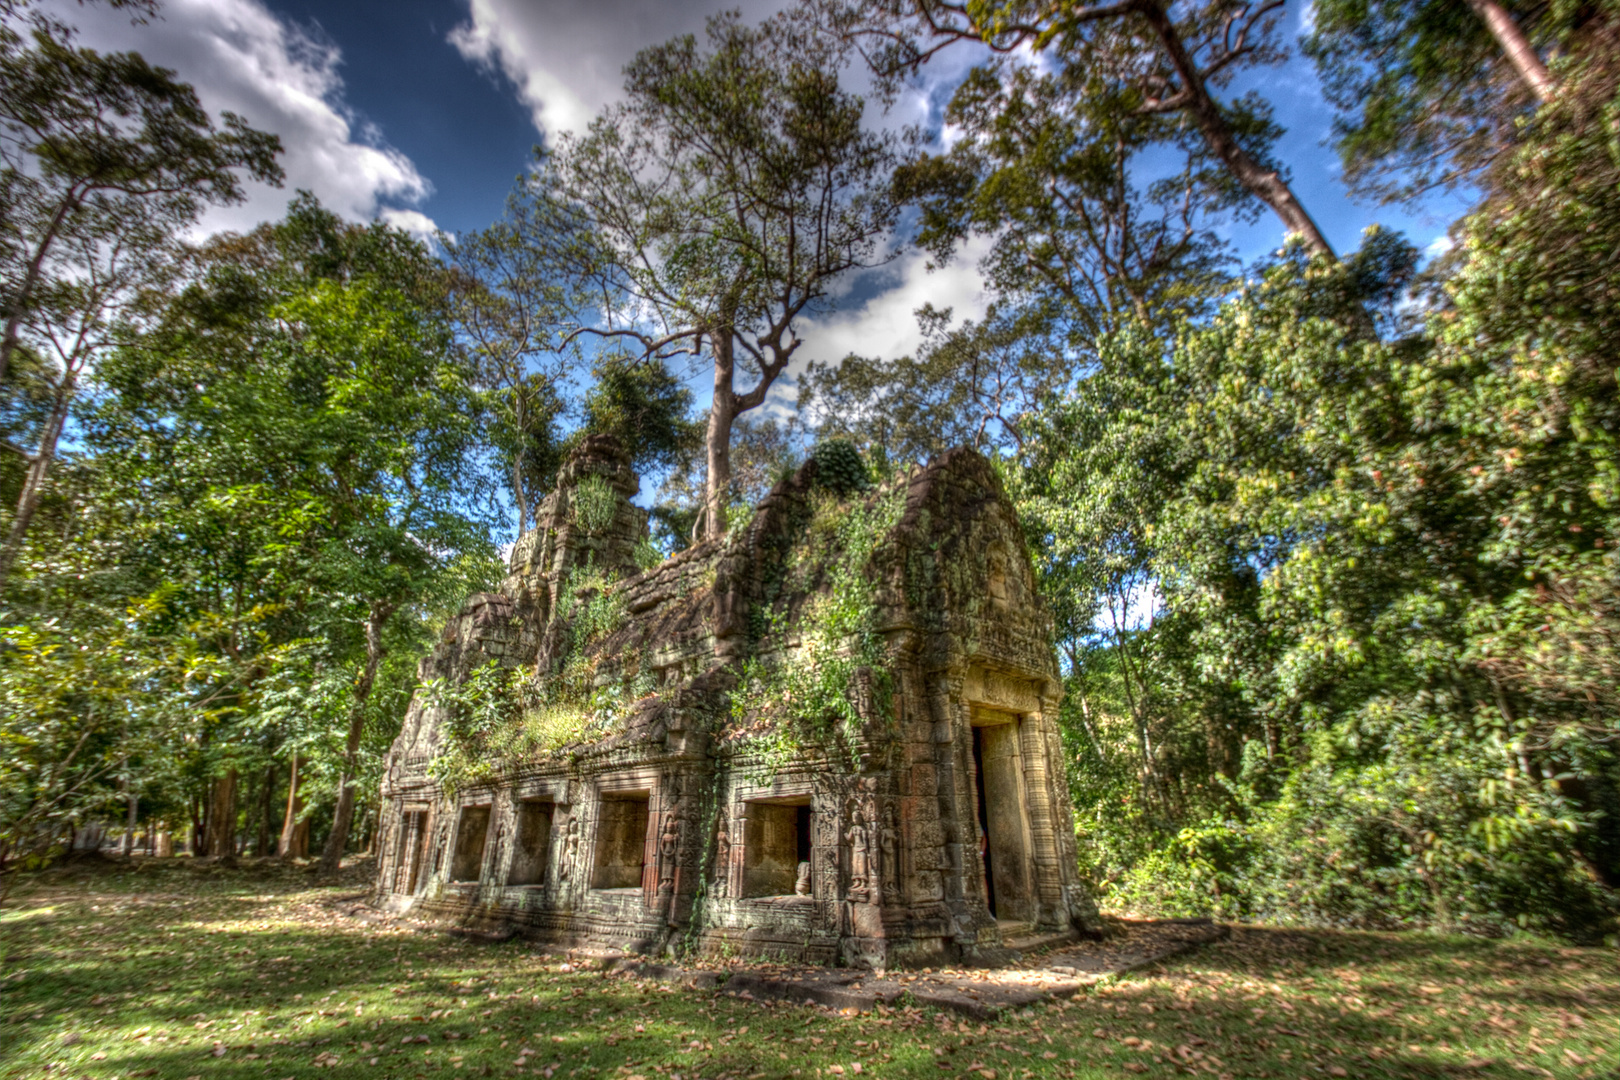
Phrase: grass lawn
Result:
[170,968]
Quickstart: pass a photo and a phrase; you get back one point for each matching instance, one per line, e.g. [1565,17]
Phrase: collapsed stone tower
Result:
[829,736]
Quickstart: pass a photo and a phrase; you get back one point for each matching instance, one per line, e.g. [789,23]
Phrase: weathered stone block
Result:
[927,886]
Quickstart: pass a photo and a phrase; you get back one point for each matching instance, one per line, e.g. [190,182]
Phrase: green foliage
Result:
[1369,690]
[840,468]
[646,407]
[647,554]
[500,717]
[1423,94]
[593,504]
[837,679]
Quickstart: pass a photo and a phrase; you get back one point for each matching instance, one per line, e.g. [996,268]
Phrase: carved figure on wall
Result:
[860,860]
[889,844]
[497,854]
[668,845]
[570,849]
[801,887]
[722,858]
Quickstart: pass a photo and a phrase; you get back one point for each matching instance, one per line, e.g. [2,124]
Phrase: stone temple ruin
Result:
[829,737]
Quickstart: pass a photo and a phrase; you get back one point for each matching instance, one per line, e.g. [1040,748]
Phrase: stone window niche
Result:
[472,830]
[412,849]
[776,840]
[621,840]
[529,855]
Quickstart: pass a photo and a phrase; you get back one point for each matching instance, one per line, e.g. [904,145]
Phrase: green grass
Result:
[179,969]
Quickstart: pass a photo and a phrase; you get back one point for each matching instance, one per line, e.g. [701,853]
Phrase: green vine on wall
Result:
[784,701]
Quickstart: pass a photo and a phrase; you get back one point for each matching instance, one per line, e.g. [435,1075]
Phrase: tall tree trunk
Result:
[287,848]
[717,485]
[519,495]
[222,816]
[1520,53]
[267,812]
[34,482]
[1265,184]
[343,816]
[133,802]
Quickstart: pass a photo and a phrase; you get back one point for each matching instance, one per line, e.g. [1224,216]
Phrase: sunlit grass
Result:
[184,970]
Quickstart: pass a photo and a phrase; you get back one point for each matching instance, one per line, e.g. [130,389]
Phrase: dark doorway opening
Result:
[776,840]
[1003,817]
[412,849]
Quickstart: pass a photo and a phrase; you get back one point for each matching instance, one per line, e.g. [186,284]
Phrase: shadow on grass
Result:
[190,969]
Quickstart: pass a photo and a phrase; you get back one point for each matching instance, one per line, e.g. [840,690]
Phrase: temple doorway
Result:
[1003,816]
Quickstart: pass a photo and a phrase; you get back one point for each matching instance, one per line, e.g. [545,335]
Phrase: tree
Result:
[720,204]
[1428,91]
[1049,168]
[1377,669]
[511,308]
[301,437]
[646,408]
[104,161]
[970,385]
[1150,62]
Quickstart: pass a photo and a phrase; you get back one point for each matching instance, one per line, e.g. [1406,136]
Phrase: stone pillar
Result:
[1048,892]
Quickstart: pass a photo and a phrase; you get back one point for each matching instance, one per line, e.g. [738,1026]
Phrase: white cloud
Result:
[566,58]
[886,325]
[243,58]
[414,222]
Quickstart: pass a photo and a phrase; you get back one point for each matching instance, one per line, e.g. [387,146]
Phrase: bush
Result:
[840,467]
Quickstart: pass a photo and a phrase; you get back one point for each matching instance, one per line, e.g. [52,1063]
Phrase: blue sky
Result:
[425,111]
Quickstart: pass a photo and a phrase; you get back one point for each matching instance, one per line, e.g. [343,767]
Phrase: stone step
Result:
[1034,941]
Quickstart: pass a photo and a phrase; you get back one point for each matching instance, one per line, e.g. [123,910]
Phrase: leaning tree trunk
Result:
[1520,53]
[343,817]
[34,480]
[290,823]
[1263,183]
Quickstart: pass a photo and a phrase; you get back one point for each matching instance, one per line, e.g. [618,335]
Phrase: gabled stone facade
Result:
[706,795]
